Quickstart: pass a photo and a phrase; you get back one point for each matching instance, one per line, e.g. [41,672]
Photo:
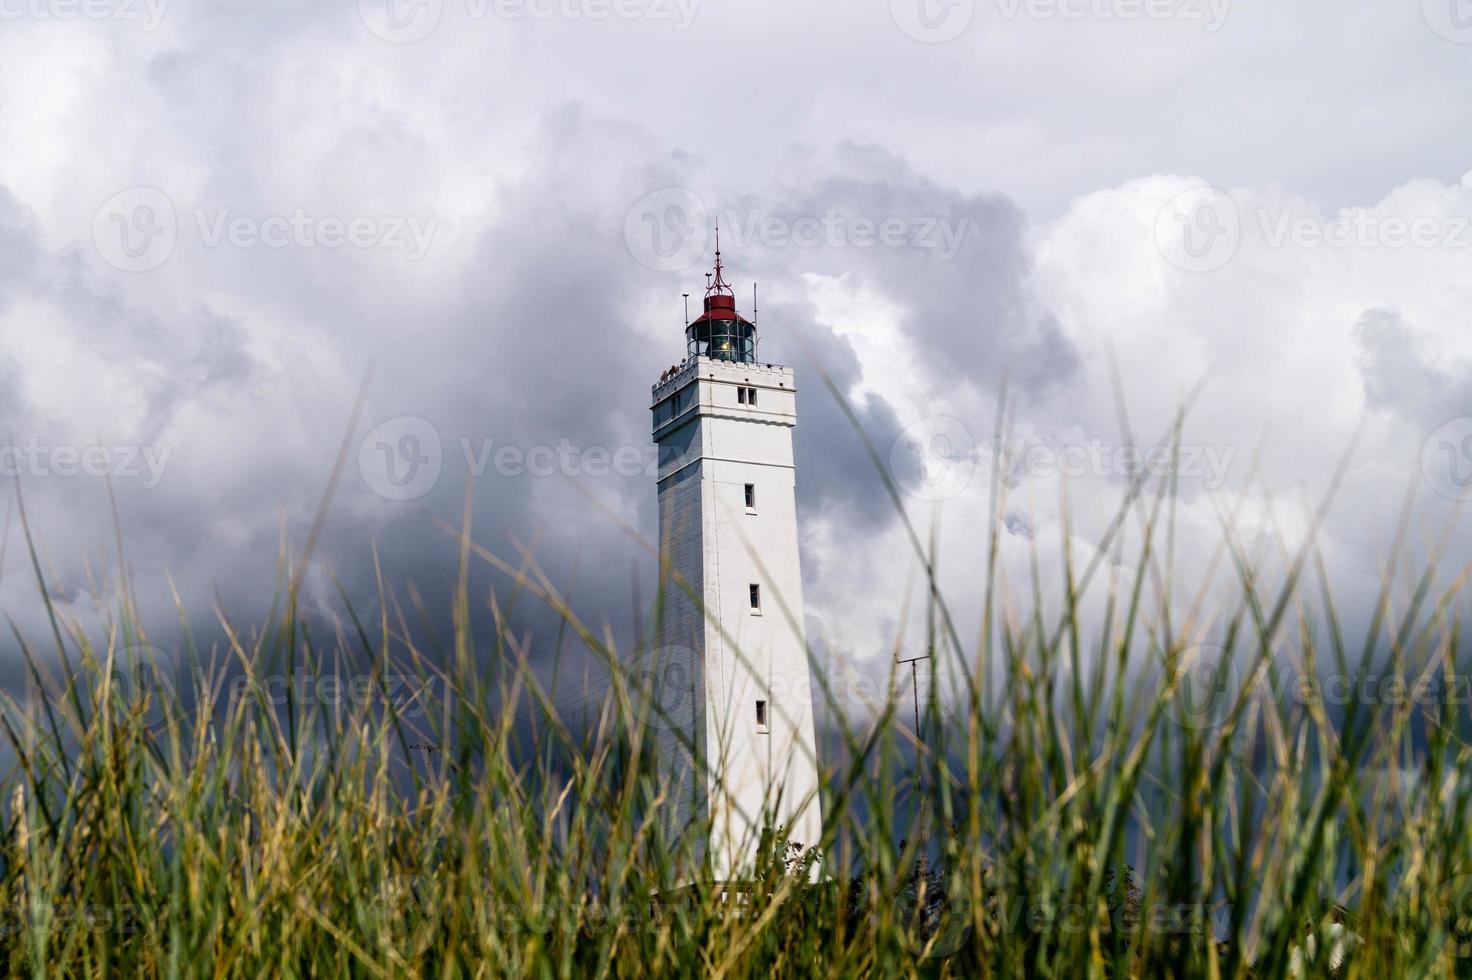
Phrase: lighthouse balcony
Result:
[774,375]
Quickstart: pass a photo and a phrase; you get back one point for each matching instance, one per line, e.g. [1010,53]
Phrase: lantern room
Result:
[720,332]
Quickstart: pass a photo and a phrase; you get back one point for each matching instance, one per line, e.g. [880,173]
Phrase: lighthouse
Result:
[735,740]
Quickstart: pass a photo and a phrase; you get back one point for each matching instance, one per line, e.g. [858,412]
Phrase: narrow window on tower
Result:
[741,394]
[751,497]
[761,717]
[756,598]
[751,396]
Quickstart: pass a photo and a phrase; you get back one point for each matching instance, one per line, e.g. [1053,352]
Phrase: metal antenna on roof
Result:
[687,311]
[756,335]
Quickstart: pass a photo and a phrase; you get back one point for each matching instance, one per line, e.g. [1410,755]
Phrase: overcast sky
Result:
[215,218]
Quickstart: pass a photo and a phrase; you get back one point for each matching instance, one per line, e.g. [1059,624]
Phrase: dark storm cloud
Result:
[836,476]
[538,342]
[1398,377]
[17,242]
[960,274]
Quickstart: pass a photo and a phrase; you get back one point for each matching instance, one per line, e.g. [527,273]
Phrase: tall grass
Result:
[1081,802]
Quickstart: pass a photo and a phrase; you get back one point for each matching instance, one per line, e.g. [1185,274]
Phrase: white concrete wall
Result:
[712,445]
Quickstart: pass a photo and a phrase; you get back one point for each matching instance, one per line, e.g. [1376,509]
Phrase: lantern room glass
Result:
[723,340]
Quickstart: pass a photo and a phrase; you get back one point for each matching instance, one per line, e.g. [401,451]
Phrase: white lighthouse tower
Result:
[737,740]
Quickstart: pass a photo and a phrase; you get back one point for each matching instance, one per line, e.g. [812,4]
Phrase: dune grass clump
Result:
[1160,792]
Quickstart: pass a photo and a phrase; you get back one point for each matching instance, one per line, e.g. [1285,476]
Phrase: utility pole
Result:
[915,690]
[914,663]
